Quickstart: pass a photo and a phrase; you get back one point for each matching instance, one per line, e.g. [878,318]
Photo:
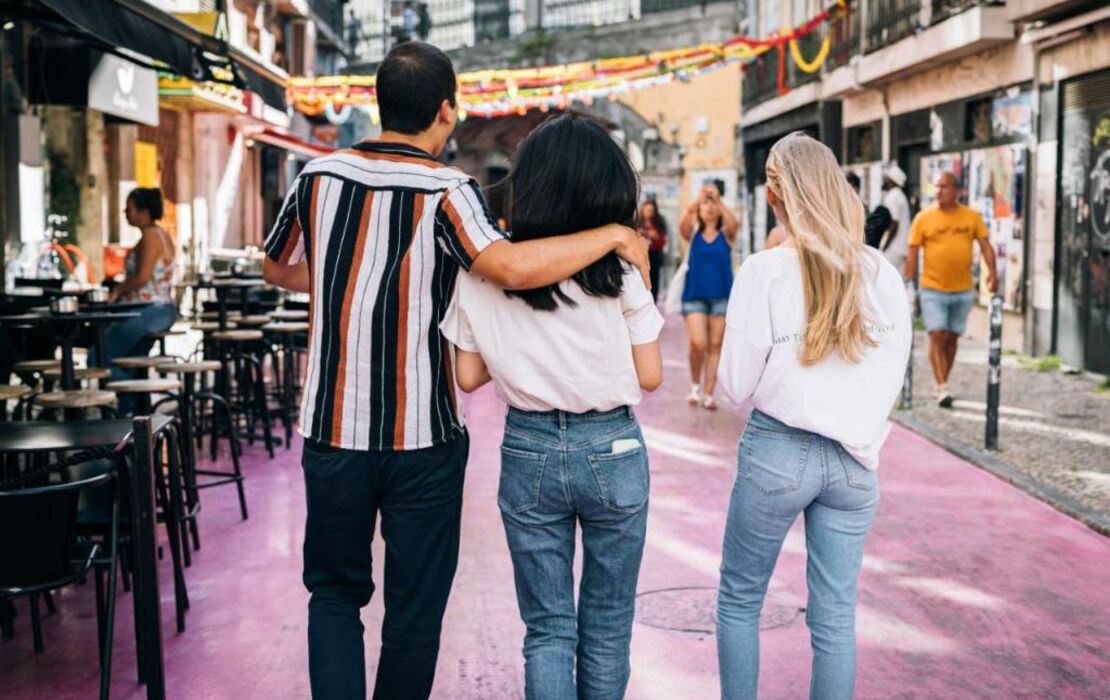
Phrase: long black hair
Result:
[569,176]
[656,218]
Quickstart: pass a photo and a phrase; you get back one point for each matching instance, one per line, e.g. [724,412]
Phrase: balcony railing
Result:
[653,6]
[845,31]
[943,9]
[760,80]
[330,11]
[889,21]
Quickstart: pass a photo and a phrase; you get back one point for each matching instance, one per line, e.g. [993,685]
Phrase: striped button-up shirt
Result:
[385,229]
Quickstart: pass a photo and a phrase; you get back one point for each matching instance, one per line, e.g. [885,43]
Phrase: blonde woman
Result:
[822,365]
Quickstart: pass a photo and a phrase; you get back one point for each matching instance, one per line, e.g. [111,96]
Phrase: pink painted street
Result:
[970,588]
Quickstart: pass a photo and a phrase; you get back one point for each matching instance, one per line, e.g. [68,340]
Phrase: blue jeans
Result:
[784,471]
[709,307]
[558,470]
[946,311]
[126,338]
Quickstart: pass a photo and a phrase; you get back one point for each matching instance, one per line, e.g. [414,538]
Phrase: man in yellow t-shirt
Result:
[946,233]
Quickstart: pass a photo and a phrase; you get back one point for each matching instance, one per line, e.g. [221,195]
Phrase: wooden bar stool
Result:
[287,371]
[96,374]
[189,372]
[253,322]
[76,401]
[12,392]
[30,371]
[241,358]
[289,315]
[140,363]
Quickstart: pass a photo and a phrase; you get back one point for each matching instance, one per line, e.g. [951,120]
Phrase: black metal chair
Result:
[40,552]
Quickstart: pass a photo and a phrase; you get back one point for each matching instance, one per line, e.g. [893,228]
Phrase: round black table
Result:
[52,436]
[224,286]
[68,326]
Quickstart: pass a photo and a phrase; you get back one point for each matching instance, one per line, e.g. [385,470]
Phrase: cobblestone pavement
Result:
[1054,428]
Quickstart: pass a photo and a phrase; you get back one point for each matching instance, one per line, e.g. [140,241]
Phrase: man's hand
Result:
[633,248]
[992,283]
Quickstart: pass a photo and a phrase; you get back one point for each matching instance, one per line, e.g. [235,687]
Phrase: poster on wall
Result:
[994,185]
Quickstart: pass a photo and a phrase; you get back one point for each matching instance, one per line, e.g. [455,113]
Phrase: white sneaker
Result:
[709,403]
[694,398]
[944,397]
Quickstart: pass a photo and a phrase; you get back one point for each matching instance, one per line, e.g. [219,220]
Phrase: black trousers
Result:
[655,257]
[419,497]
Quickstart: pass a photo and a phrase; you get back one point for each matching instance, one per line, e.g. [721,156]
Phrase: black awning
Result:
[149,32]
[270,88]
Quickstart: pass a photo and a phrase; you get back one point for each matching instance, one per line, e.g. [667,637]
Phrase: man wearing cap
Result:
[896,237]
[947,233]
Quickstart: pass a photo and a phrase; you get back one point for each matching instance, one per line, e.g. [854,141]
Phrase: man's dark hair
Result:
[413,81]
[853,180]
[570,176]
[148,199]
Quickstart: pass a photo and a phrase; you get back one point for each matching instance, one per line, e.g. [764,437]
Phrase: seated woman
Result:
[571,360]
[149,277]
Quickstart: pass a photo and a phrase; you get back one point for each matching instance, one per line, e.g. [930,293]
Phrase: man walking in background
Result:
[946,234]
[376,235]
[896,237]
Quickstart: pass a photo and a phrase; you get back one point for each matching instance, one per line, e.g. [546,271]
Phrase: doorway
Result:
[1083,245]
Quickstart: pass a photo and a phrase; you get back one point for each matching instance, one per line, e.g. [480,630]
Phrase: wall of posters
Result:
[994,185]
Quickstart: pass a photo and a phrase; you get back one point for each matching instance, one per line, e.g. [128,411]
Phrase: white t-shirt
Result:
[573,359]
[896,203]
[846,402]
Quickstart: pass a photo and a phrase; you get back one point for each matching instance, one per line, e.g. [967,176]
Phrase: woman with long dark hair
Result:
[571,360]
[818,337]
[149,268]
[705,296]
[653,227]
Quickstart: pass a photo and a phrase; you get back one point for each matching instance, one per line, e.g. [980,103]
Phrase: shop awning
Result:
[290,143]
[143,29]
[269,86]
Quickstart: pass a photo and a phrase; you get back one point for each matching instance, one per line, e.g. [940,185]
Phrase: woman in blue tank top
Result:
[705,296]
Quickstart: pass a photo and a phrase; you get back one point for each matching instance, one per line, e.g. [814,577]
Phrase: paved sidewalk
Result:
[971,588]
[1054,428]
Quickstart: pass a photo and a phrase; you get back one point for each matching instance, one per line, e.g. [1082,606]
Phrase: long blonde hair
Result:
[825,217]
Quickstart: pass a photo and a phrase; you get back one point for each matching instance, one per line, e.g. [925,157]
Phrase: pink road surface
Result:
[970,589]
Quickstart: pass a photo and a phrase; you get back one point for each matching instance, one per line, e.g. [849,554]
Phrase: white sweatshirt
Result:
[846,402]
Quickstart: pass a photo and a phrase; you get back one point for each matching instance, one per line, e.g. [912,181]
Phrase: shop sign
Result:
[123,89]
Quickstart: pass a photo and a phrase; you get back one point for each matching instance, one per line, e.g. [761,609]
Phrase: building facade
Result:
[208,124]
[1008,96]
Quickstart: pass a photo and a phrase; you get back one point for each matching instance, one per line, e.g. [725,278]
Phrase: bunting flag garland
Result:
[496,93]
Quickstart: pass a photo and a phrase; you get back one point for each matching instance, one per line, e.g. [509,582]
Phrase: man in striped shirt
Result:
[376,235]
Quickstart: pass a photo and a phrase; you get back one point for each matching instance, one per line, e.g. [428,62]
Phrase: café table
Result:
[66,327]
[138,435]
[224,287]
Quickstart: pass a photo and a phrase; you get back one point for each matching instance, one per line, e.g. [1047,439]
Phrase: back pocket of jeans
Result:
[622,479]
[773,463]
[855,474]
[521,476]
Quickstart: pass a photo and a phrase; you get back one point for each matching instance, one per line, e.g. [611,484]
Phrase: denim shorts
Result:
[946,311]
[709,307]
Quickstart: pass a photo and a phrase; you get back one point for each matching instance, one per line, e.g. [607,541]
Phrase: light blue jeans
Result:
[559,470]
[783,472]
[127,338]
